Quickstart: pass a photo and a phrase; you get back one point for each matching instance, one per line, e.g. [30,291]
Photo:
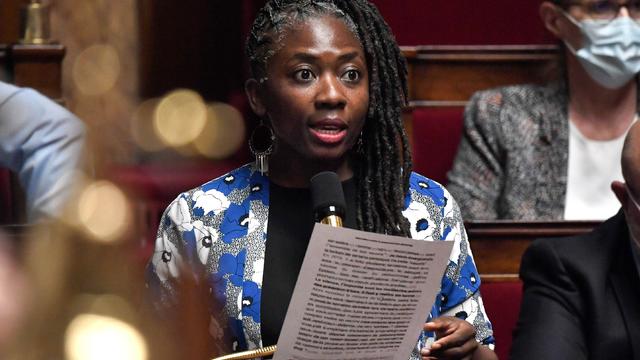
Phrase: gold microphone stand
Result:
[250,354]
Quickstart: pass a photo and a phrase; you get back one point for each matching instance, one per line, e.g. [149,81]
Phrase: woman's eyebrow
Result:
[308,57]
[349,56]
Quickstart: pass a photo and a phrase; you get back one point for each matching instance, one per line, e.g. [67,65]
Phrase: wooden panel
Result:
[5,69]
[10,20]
[498,245]
[39,67]
[6,197]
[449,75]
[191,44]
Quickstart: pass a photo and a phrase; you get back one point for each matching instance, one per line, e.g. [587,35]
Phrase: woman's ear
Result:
[252,89]
[551,17]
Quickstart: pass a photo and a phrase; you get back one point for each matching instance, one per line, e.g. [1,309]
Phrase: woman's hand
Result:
[455,339]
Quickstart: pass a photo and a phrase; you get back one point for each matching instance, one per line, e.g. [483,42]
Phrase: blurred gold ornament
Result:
[142,128]
[96,69]
[180,118]
[99,337]
[224,132]
[103,211]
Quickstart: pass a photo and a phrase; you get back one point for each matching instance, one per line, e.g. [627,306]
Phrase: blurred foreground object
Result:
[87,291]
[13,290]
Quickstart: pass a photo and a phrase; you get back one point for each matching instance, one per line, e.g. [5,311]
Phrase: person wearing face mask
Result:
[581,293]
[532,152]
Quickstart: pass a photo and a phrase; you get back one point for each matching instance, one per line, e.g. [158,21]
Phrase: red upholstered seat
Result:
[502,303]
[8,198]
[152,187]
[435,139]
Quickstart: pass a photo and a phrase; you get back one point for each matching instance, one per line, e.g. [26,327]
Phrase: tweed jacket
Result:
[512,161]
[220,228]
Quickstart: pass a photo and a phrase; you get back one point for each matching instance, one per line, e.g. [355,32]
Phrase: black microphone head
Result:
[327,196]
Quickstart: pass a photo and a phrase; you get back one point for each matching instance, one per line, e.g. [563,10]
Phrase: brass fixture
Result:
[251,354]
[35,23]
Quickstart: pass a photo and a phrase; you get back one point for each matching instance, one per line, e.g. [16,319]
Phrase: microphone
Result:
[327,198]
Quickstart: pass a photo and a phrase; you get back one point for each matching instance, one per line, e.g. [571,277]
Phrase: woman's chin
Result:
[330,154]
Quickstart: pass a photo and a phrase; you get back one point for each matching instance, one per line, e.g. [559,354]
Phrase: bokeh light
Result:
[96,69]
[99,337]
[180,117]
[142,129]
[103,211]
[223,133]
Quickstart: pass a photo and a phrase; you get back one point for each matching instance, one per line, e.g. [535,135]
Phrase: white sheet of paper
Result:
[361,295]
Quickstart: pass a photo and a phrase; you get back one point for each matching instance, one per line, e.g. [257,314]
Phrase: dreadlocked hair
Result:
[384,167]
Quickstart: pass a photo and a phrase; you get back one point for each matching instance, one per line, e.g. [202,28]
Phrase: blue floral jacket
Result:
[221,227]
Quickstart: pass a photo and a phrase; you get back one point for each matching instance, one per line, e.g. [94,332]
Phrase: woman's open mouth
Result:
[329,131]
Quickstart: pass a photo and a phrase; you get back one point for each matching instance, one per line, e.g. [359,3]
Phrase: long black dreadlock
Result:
[382,174]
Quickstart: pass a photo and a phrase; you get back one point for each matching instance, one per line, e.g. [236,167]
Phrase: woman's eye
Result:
[303,75]
[351,76]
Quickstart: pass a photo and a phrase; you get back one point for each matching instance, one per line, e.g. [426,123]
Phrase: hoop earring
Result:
[261,144]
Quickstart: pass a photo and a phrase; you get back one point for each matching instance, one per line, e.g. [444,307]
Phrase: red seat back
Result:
[7,198]
[502,303]
[436,133]
[153,187]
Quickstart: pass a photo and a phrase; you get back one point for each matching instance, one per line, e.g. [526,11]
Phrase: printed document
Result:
[361,295]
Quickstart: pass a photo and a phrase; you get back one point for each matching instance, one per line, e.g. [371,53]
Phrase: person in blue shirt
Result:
[43,143]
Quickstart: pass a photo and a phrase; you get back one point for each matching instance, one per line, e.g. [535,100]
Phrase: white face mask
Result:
[611,51]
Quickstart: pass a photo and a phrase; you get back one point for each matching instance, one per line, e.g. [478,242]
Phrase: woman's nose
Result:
[330,93]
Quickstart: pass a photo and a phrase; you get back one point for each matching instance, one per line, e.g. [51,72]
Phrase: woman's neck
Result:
[598,112]
[293,171]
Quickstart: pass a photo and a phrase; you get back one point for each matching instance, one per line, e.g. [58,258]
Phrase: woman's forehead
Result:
[319,33]
[325,37]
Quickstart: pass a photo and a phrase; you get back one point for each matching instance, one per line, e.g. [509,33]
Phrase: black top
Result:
[290,225]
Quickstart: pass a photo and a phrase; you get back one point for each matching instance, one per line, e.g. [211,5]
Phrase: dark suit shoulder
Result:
[576,302]
[586,250]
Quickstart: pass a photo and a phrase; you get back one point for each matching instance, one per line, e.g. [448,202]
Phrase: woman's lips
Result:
[329,131]
[329,136]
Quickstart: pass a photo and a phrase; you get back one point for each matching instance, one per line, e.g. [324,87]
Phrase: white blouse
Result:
[593,165]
